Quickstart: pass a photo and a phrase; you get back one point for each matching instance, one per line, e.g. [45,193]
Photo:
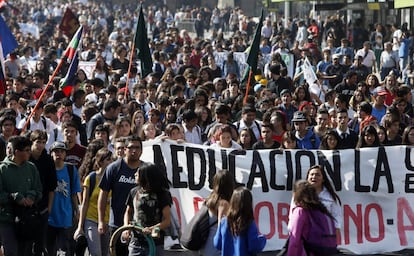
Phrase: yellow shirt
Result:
[92,213]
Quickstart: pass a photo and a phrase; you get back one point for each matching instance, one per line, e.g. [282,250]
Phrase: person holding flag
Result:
[70,55]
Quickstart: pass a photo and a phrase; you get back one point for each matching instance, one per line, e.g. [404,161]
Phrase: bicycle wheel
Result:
[117,234]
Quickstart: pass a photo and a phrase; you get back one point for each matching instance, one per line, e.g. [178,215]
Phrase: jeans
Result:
[98,245]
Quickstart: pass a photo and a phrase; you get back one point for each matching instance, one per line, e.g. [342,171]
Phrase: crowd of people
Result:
[363,99]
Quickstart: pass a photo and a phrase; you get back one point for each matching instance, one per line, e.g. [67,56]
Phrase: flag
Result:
[252,58]
[73,45]
[310,77]
[69,23]
[7,40]
[308,72]
[7,45]
[71,55]
[4,3]
[141,44]
[68,81]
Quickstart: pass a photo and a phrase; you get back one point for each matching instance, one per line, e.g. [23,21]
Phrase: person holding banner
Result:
[223,138]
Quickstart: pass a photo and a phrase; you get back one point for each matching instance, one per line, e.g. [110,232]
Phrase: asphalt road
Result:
[406,252]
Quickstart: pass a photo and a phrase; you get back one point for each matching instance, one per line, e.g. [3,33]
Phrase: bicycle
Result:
[138,229]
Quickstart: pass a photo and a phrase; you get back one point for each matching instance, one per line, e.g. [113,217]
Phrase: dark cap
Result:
[299,116]
[58,145]
[284,91]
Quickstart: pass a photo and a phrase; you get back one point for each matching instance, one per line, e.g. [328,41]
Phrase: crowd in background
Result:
[363,96]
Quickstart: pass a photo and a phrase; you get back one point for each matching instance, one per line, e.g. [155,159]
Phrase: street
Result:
[407,252]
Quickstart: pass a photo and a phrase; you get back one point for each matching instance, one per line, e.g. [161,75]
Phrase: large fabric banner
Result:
[376,186]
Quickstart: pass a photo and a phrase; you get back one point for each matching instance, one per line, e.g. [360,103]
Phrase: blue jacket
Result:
[310,141]
[249,243]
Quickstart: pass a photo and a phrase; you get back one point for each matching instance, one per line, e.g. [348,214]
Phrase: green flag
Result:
[141,44]
[252,58]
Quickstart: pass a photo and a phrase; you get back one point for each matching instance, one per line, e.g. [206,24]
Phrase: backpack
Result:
[196,232]
[55,131]
[322,238]
[92,182]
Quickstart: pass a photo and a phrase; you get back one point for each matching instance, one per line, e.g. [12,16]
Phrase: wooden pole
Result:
[129,70]
[42,95]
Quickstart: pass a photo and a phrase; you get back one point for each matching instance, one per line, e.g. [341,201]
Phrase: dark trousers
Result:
[11,245]
[39,247]
[59,238]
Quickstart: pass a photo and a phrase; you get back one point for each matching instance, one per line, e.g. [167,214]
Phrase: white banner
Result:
[29,28]
[376,187]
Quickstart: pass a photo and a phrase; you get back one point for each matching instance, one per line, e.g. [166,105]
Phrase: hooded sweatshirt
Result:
[16,183]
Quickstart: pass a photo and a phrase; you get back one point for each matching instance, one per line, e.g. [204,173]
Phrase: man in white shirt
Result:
[302,34]
[192,132]
[39,122]
[248,120]
[368,56]
[140,95]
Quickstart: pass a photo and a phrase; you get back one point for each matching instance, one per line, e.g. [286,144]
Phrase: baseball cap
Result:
[336,56]
[380,91]
[299,116]
[284,91]
[58,145]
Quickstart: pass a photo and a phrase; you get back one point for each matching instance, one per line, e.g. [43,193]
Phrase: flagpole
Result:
[248,86]
[129,70]
[68,50]
[42,95]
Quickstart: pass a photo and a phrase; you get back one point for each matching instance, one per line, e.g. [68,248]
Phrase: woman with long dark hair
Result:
[368,137]
[148,204]
[88,219]
[317,178]
[237,234]
[308,212]
[218,203]
[246,138]
[330,140]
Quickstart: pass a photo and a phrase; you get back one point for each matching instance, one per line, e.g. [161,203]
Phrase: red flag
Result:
[69,23]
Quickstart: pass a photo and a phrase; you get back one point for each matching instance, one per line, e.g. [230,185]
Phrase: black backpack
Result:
[196,232]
